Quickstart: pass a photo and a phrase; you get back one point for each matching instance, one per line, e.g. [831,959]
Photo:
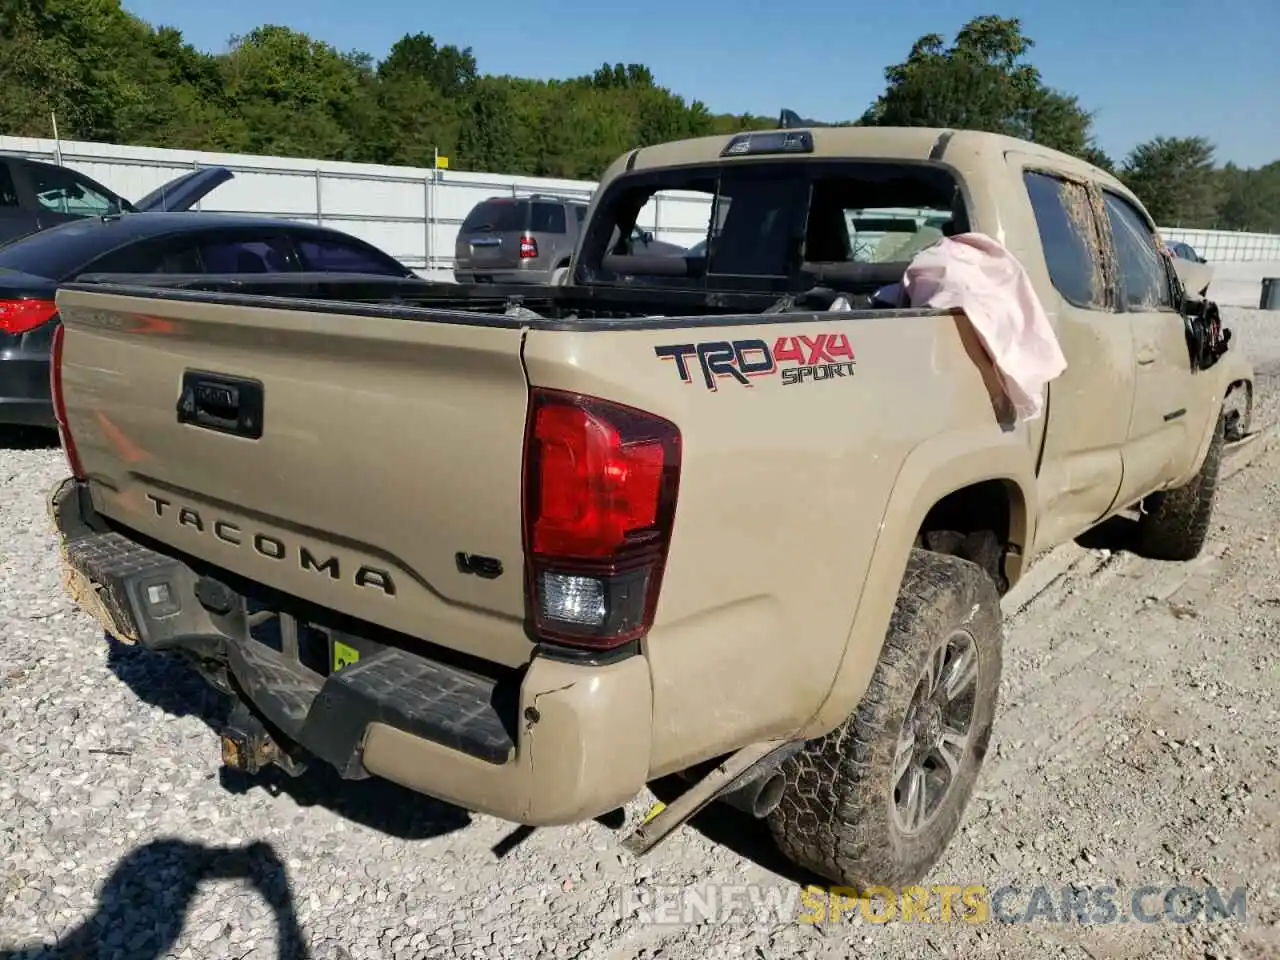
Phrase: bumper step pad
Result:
[142,596]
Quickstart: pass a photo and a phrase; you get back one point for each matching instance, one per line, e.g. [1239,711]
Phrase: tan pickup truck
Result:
[530,550]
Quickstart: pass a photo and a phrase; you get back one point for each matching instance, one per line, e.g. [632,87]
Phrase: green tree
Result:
[981,82]
[487,139]
[631,76]
[296,96]
[1250,198]
[416,57]
[87,60]
[1175,179]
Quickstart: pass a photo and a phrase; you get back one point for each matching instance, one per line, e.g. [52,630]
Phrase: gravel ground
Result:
[1137,744]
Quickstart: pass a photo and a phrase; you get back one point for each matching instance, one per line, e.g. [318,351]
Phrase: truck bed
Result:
[571,307]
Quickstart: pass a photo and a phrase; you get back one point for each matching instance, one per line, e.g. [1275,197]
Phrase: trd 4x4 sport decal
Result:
[824,356]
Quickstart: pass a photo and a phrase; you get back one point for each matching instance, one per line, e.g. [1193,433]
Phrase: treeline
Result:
[108,76]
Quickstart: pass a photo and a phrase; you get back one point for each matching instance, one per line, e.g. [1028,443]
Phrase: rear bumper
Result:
[551,743]
[24,390]
[478,275]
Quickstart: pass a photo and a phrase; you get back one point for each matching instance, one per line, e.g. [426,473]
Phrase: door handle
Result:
[225,404]
[1146,356]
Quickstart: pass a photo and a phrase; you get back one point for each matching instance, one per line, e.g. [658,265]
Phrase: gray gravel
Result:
[1137,743]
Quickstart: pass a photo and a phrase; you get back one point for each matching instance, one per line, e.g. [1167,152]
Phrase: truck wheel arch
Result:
[967,473]
[1242,385]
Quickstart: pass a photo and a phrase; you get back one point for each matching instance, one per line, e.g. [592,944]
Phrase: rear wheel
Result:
[876,801]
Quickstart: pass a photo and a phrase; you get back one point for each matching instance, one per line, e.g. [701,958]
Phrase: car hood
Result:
[184,192]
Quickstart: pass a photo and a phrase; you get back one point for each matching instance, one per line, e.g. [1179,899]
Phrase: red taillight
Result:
[599,502]
[20,316]
[59,404]
[528,248]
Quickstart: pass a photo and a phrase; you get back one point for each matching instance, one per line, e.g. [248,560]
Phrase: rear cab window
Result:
[1070,239]
[775,225]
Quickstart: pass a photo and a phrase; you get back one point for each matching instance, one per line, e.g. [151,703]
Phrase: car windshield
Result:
[763,225]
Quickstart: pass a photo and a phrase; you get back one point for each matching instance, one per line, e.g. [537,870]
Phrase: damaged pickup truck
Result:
[744,517]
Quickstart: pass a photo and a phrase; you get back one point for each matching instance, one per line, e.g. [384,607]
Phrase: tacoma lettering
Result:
[272,548]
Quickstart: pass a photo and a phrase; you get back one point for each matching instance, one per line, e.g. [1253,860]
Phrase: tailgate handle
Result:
[221,403]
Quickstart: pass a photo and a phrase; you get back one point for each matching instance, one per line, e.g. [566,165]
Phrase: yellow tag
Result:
[656,809]
[343,655]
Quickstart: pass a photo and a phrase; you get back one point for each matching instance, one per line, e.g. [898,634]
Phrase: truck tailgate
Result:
[384,459]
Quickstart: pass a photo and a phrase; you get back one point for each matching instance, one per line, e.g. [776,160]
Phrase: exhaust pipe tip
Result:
[769,797]
[761,794]
[759,798]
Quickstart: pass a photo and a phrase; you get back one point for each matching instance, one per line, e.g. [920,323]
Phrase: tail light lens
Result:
[528,248]
[21,316]
[59,404]
[600,483]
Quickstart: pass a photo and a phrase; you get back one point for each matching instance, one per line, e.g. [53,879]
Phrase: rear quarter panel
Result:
[797,507]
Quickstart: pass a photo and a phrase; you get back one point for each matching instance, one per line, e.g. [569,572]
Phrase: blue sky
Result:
[1148,67]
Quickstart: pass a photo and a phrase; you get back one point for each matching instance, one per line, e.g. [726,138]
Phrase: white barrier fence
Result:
[414,213]
[1226,246]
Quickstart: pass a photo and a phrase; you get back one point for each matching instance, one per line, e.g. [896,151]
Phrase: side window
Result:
[1143,272]
[61,191]
[333,256]
[8,193]
[547,218]
[177,261]
[1068,235]
[244,256]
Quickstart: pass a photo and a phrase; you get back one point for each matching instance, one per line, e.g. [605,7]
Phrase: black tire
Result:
[838,814]
[1175,523]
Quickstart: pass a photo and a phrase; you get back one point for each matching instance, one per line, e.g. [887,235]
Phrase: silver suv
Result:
[527,240]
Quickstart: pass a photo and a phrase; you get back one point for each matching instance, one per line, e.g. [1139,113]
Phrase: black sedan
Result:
[32,268]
